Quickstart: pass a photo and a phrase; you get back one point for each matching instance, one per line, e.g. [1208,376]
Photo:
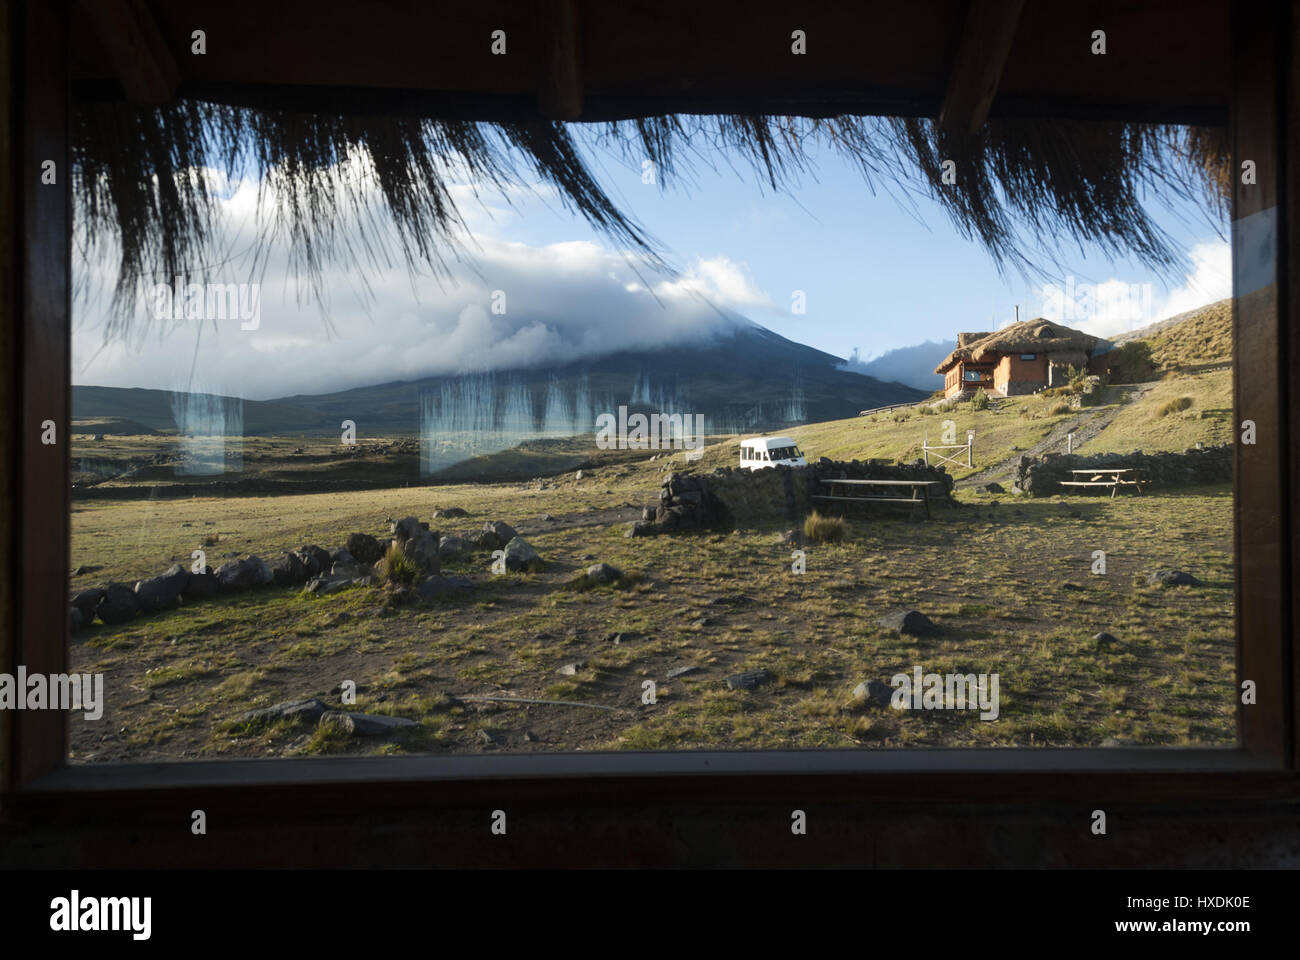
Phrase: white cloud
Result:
[563,301]
[1115,306]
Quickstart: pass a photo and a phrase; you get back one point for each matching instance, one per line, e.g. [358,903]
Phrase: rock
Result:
[794,537]
[571,669]
[547,518]
[642,529]
[496,534]
[437,586]
[422,550]
[328,584]
[993,487]
[341,555]
[603,573]
[910,622]
[288,570]
[647,514]
[345,570]
[450,512]
[200,586]
[364,724]
[522,558]
[676,672]
[750,679]
[451,548]
[161,592]
[76,619]
[87,600]
[578,475]
[246,574]
[1104,640]
[118,605]
[364,548]
[486,737]
[405,529]
[1173,578]
[338,722]
[315,560]
[310,709]
[875,691]
[91,568]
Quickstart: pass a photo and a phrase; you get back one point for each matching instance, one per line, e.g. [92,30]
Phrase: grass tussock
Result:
[397,567]
[820,529]
[1175,406]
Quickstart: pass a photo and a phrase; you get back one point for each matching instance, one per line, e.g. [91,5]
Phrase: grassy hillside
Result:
[1151,423]
[1189,341]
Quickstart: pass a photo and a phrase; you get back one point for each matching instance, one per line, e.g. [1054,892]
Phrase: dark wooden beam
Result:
[561,92]
[977,69]
[143,63]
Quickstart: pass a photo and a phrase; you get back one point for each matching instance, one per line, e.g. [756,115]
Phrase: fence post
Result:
[925,448]
[970,448]
[1069,443]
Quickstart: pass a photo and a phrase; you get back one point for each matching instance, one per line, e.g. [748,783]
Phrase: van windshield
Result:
[785,453]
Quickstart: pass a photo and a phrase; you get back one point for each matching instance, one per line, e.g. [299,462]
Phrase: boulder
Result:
[603,573]
[200,586]
[422,550]
[118,605]
[405,529]
[76,620]
[910,622]
[572,668]
[288,570]
[87,600]
[364,547]
[1104,640]
[345,570]
[234,576]
[315,560]
[1173,578]
[642,529]
[522,558]
[496,534]
[161,592]
[750,679]
[311,710]
[874,691]
[438,586]
[450,512]
[341,555]
[676,672]
[451,548]
[364,724]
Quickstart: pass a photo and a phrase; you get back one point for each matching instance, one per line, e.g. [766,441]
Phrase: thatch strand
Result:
[143,180]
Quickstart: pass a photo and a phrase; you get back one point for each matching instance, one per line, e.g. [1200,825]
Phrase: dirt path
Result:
[1086,425]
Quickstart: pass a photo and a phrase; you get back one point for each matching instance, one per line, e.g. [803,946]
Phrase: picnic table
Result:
[847,491]
[1113,477]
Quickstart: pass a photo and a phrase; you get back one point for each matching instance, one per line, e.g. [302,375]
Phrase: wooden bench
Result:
[1112,477]
[921,486]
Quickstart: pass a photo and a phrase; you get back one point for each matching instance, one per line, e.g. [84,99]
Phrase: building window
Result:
[1029,356]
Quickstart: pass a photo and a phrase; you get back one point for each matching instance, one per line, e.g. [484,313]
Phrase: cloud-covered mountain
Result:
[913,366]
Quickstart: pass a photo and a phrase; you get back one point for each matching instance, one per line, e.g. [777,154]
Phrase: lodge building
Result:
[1022,358]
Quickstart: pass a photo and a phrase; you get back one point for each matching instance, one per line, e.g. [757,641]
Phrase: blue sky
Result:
[877,274]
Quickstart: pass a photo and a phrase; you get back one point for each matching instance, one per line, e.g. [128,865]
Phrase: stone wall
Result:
[732,497]
[1042,477]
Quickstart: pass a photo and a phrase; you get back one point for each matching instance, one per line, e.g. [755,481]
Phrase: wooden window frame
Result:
[38,782]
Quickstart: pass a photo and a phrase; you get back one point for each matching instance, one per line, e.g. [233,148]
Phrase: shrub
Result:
[397,567]
[1174,406]
[980,401]
[819,529]
[1130,363]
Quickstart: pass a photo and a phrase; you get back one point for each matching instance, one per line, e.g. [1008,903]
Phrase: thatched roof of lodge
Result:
[1059,343]
[327,120]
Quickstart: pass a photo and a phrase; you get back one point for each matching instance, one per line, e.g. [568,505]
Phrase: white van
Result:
[758,453]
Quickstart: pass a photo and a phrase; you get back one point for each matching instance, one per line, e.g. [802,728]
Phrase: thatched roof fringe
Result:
[1059,343]
[140,182]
